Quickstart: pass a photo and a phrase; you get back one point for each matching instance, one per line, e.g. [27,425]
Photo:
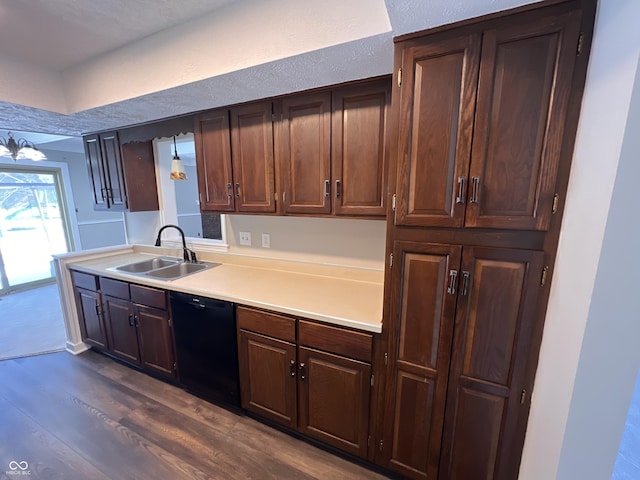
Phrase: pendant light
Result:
[177,169]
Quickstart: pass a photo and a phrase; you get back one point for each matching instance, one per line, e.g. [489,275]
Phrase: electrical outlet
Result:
[266,240]
[245,238]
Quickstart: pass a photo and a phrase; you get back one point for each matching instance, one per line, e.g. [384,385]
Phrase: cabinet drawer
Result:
[85,280]
[340,341]
[149,296]
[114,288]
[269,324]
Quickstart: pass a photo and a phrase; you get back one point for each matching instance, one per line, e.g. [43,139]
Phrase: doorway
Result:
[34,226]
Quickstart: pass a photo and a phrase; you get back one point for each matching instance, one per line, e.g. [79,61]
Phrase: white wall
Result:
[336,241]
[551,442]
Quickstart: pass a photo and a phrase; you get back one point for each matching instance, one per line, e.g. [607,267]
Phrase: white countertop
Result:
[336,295]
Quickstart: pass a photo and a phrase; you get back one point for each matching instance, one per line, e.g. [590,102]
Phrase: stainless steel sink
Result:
[164,268]
[179,270]
[147,265]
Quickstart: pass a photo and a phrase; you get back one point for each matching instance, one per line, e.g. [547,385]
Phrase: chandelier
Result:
[20,150]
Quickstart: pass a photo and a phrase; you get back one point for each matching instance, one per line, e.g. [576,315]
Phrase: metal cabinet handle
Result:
[237,190]
[337,188]
[98,309]
[302,371]
[327,188]
[229,187]
[476,189]
[453,275]
[460,197]
[102,194]
[131,320]
[465,284]
[292,368]
[135,321]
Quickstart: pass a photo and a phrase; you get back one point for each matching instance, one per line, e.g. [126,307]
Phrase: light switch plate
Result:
[266,240]
[245,238]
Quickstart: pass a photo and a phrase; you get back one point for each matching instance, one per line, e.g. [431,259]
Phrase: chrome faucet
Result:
[187,254]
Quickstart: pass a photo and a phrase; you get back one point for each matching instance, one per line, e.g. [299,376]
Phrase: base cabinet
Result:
[89,304]
[306,376]
[129,321]
[139,325]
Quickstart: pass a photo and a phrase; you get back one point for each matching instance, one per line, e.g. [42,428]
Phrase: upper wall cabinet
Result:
[359,168]
[490,162]
[320,153]
[122,177]
[304,153]
[235,163]
[252,157]
[213,161]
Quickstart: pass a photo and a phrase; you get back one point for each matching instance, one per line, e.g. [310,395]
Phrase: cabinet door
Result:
[213,161]
[252,157]
[523,93]
[268,377]
[119,315]
[334,399]
[96,173]
[304,153]
[155,337]
[486,413]
[423,311]
[114,174]
[438,94]
[140,176]
[91,321]
[359,149]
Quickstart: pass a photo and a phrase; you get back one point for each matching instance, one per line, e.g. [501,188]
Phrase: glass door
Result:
[33,226]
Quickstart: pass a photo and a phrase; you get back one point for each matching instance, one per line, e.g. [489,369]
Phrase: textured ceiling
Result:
[72,39]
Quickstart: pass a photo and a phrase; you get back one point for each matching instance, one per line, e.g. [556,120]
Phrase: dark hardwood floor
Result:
[88,417]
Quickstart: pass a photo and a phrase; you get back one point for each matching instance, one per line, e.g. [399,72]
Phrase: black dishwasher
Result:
[205,333]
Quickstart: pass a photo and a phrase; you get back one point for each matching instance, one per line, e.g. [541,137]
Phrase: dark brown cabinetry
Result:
[328,157]
[490,295]
[485,115]
[304,153]
[319,385]
[89,303]
[121,177]
[490,162]
[358,145]
[235,159]
[131,322]
[213,160]
[139,325]
[252,158]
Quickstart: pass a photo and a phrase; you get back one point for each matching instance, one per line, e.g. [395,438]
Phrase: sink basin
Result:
[179,270]
[147,265]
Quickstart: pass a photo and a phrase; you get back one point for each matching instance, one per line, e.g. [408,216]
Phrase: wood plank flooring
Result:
[88,417]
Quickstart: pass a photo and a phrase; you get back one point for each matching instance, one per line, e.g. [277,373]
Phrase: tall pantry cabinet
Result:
[484,115]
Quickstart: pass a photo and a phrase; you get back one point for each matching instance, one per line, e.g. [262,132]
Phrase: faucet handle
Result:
[194,259]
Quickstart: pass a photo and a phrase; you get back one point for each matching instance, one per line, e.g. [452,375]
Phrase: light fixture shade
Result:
[177,169]
[20,150]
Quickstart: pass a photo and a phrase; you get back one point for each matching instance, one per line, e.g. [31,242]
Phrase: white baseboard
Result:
[76,348]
